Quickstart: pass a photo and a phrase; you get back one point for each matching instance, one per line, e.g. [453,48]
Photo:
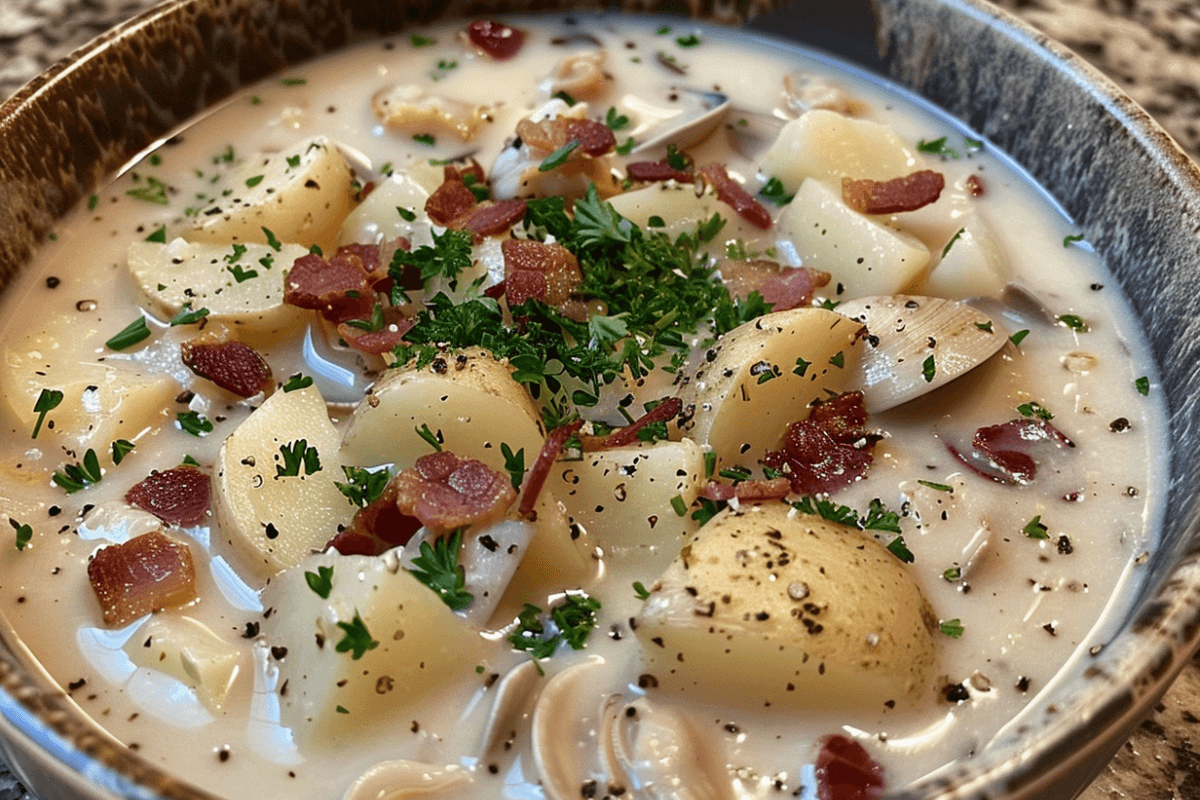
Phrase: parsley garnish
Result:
[298,454]
[570,621]
[1034,410]
[691,40]
[187,316]
[193,423]
[241,275]
[514,463]
[93,201]
[321,581]
[986,327]
[417,40]
[1018,337]
[614,120]
[897,548]
[297,381]
[155,191]
[776,192]
[120,449]
[1072,239]
[952,628]
[938,487]
[132,333]
[950,243]
[357,639]
[375,323]
[274,243]
[928,369]
[365,486]
[254,180]
[294,81]
[559,156]
[641,591]
[79,476]
[1034,529]
[449,255]
[235,254]
[1074,322]
[626,147]
[877,518]
[952,574]
[435,440]
[1142,384]
[293,161]
[24,533]
[159,236]
[47,401]
[427,139]
[405,214]
[937,147]
[437,567]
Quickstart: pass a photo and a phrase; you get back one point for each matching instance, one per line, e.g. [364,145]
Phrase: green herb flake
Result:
[640,590]
[130,335]
[900,550]
[297,455]
[405,214]
[188,461]
[417,40]
[776,192]
[93,201]
[24,533]
[801,367]
[155,191]
[254,180]
[972,144]
[357,640]
[364,486]
[297,381]
[1072,239]
[435,440]
[292,162]
[514,464]
[928,369]
[120,449]
[838,360]
[427,139]
[48,400]
[1033,409]
[274,243]
[241,274]
[1034,529]
[937,147]
[437,567]
[710,463]
[321,581]
[187,316]
[559,156]
[615,120]
[341,709]
[193,423]
[626,147]
[663,30]
[294,81]
[938,487]
[950,243]
[75,477]
[952,574]
[159,236]
[952,628]
[1018,337]
[1142,384]
[691,40]
[679,505]
[986,327]
[570,621]
[1074,322]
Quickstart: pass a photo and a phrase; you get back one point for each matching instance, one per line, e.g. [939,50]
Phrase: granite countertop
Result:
[1151,48]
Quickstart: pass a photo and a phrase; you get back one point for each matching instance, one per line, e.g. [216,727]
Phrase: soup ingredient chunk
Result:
[178,496]
[796,610]
[148,573]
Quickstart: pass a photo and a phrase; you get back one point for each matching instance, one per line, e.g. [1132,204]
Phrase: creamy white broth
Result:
[1031,607]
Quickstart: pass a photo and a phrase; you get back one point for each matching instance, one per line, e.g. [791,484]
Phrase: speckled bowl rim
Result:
[1131,190]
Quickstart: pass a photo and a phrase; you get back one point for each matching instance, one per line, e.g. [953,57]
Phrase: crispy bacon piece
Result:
[178,496]
[495,39]
[451,200]
[733,195]
[752,491]
[555,441]
[353,543]
[891,197]
[783,287]
[546,272]
[377,528]
[665,411]
[492,217]
[846,771]
[975,186]
[377,342]
[444,492]
[148,573]
[829,450]
[657,171]
[595,138]
[234,366]
[339,287]
[1004,453]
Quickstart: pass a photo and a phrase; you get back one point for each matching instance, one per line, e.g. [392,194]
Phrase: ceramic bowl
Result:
[1128,187]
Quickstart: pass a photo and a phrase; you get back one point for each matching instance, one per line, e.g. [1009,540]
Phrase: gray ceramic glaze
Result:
[1133,193]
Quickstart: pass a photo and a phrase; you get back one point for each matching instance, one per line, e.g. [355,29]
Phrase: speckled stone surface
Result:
[1151,48]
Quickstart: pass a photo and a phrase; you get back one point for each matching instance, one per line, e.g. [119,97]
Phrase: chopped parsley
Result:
[514,464]
[1072,239]
[297,382]
[1018,337]
[321,581]
[448,256]
[357,640]
[937,147]
[952,574]
[435,440]
[417,40]
[120,449]
[952,628]
[1142,384]
[155,191]
[953,239]
[640,590]
[159,236]
[570,622]
[274,243]
[294,81]
[1033,409]
[187,316]
[691,40]
[1034,529]
[614,120]
[75,477]
[241,274]
[254,180]
[297,455]
[1074,322]
[47,401]
[938,487]
[193,423]
[427,139]
[928,369]
[24,533]
[437,567]
[559,156]
[776,192]
[130,335]
[877,518]
[363,486]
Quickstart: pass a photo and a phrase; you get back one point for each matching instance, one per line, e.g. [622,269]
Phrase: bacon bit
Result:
[783,287]
[378,527]
[178,496]
[234,366]
[492,218]
[353,543]
[340,287]
[555,441]
[732,194]
[495,39]
[846,771]
[595,138]
[451,200]
[665,411]
[495,291]
[377,342]
[975,186]
[148,573]
[829,450]
[751,491]
[444,491]
[892,197]
[1003,453]
[546,272]
[371,256]
[657,171]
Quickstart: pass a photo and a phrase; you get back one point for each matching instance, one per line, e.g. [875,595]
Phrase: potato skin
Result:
[792,609]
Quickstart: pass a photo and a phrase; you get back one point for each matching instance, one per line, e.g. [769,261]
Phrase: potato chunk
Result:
[468,400]
[792,609]
[378,645]
[271,515]
[189,651]
[761,376]
[300,194]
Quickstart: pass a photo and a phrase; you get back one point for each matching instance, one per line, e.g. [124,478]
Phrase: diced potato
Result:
[271,520]
[760,377]
[409,107]
[189,651]
[181,273]
[376,218]
[972,267]
[102,402]
[468,400]
[623,497]
[682,211]
[828,146]
[300,194]
[795,611]
[863,256]
[409,645]
[559,557]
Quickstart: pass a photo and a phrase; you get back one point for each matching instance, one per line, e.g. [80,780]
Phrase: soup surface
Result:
[978,535]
